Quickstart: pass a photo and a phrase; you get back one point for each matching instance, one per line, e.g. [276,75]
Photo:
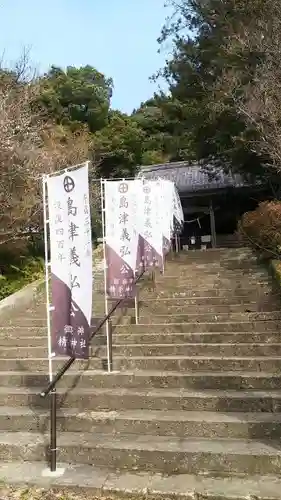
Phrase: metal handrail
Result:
[71,360]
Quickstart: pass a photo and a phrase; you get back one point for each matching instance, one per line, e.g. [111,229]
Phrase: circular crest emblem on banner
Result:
[68,184]
[123,187]
[146,189]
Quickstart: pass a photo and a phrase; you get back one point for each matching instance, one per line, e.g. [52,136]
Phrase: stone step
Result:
[121,483]
[145,380]
[201,308]
[171,305]
[247,293]
[17,333]
[247,263]
[157,363]
[181,268]
[32,325]
[266,337]
[178,285]
[217,254]
[196,276]
[151,318]
[191,350]
[175,306]
[165,454]
[165,349]
[152,422]
[215,326]
[252,293]
[266,299]
[201,278]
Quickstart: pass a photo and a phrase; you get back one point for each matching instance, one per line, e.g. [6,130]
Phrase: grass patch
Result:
[26,493]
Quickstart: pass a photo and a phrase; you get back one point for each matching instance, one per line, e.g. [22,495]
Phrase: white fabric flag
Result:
[149,224]
[178,212]
[121,237]
[167,211]
[71,261]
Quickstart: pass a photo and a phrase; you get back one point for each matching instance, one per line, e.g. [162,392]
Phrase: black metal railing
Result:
[51,388]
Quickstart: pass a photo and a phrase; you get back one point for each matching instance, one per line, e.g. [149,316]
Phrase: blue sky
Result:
[118,37]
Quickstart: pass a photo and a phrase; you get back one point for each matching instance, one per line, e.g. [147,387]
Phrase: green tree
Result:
[118,147]
[77,96]
[162,119]
[213,67]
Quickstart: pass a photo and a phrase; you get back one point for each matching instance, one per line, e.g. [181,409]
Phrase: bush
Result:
[261,228]
[18,273]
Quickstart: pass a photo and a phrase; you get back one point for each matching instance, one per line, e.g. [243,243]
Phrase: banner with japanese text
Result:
[167,212]
[178,217]
[149,225]
[121,238]
[71,262]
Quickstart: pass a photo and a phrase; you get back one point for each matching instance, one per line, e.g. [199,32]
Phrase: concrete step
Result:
[214,279]
[145,380]
[252,293]
[208,327]
[152,318]
[210,268]
[248,294]
[247,263]
[266,299]
[213,305]
[235,286]
[266,337]
[152,422]
[163,454]
[201,308]
[252,327]
[206,304]
[168,338]
[97,399]
[17,333]
[198,275]
[155,363]
[105,484]
[212,252]
[165,349]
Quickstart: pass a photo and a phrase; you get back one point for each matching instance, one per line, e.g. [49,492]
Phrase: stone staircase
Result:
[193,406]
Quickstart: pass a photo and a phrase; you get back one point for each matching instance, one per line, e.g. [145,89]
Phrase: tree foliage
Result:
[117,148]
[223,105]
[225,75]
[29,147]
[76,96]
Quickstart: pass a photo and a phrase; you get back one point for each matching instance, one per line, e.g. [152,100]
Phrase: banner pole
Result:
[136,306]
[47,277]
[53,394]
[107,325]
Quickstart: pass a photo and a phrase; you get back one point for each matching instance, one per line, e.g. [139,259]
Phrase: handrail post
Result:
[109,339]
[53,430]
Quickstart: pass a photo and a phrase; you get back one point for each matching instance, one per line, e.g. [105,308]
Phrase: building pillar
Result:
[213,226]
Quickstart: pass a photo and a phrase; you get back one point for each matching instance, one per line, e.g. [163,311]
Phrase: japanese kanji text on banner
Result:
[150,246]
[71,262]
[121,238]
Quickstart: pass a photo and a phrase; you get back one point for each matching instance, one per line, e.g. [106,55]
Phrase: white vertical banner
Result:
[121,238]
[149,224]
[71,261]
[178,212]
[167,209]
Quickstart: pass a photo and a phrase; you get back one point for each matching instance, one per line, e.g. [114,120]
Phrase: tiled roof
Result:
[190,178]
